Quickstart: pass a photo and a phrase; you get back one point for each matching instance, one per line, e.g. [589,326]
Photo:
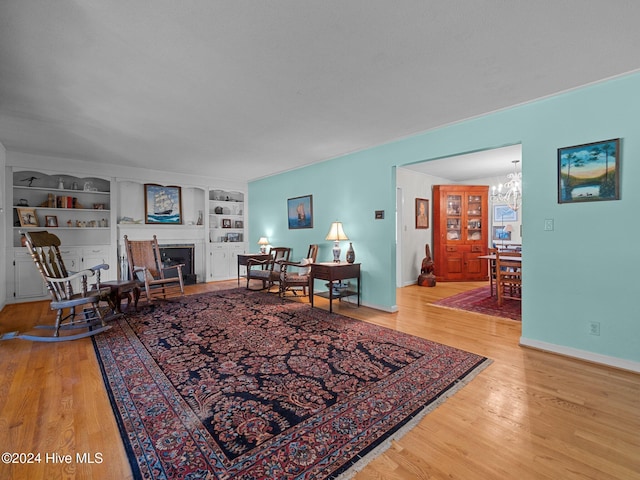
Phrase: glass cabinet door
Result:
[454,220]
[474,217]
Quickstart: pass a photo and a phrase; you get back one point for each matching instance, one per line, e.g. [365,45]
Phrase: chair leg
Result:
[56,332]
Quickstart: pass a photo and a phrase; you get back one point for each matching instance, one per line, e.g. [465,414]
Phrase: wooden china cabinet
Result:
[460,232]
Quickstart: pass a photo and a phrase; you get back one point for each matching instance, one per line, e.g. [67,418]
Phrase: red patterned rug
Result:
[480,300]
[244,385]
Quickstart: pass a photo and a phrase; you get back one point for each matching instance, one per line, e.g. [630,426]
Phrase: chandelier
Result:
[511,192]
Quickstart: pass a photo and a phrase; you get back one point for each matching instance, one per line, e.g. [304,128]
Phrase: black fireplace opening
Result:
[176,255]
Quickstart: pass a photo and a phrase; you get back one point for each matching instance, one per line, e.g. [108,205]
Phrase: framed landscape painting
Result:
[300,212]
[589,172]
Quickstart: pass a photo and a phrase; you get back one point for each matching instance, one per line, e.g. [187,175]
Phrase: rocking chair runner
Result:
[145,266]
[82,307]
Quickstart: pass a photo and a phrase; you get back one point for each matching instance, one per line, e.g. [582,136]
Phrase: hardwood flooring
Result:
[530,415]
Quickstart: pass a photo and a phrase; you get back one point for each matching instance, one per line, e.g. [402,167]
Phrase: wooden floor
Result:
[530,415]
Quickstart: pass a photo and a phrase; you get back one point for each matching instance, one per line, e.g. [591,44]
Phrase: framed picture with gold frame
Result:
[27,217]
[422,213]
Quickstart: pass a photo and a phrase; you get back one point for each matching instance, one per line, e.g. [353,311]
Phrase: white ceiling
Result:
[247,88]
[497,162]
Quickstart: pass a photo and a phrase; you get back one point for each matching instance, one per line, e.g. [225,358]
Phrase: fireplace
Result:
[176,254]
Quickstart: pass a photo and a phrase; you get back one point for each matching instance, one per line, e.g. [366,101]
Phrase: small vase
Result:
[351,254]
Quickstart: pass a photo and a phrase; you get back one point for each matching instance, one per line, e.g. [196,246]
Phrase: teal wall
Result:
[585,270]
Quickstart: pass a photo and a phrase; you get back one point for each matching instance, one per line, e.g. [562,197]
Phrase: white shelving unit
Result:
[226,233]
[77,210]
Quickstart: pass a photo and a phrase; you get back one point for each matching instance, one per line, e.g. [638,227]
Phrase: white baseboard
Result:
[353,301]
[582,354]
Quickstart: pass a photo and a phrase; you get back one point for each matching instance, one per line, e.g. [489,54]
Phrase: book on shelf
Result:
[64,201]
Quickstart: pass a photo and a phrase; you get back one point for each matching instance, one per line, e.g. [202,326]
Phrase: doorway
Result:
[487,167]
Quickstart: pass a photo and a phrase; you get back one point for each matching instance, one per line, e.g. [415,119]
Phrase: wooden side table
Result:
[331,272]
[122,289]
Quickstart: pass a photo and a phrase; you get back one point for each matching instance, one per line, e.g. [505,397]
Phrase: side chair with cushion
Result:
[73,298]
[267,271]
[145,266]
[295,277]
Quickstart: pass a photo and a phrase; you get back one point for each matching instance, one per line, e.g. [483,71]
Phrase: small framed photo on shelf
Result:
[233,237]
[238,224]
[51,220]
[226,223]
[27,217]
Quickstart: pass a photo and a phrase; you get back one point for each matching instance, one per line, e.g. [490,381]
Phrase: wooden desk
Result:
[243,258]
[331,272]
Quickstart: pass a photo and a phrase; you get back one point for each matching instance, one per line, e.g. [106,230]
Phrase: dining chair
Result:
[508,276]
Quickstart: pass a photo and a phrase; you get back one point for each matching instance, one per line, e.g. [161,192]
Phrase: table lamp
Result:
[336,233]
[263,242]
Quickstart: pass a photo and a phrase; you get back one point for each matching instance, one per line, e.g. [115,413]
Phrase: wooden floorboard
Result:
[529,415]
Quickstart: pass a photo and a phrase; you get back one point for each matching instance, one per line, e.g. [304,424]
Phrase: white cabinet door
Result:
[71,258]
[94,256]
[219,262]
[28,283]
[234,250]
[223,264]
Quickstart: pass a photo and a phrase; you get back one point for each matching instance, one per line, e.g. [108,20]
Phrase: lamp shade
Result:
[336,233]
[263,241]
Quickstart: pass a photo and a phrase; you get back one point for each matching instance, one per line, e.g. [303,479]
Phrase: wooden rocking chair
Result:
[75,301]
[145,266]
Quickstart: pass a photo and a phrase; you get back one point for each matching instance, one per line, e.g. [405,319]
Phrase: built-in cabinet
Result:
[460,232]
[226,233]
[77,210]
[91,215]
[223,260]
[226,216]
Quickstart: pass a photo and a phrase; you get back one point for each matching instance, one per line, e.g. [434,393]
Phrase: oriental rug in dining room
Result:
[244,385]
[480,300]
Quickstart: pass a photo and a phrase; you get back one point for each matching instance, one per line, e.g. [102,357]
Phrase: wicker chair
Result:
[294,277]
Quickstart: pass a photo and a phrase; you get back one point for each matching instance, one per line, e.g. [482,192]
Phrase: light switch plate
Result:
[548,224]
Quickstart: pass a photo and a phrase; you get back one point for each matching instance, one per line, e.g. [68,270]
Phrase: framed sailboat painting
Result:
[162,204]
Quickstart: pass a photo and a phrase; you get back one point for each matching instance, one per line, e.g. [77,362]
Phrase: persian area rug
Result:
[244,385]
[479,300]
